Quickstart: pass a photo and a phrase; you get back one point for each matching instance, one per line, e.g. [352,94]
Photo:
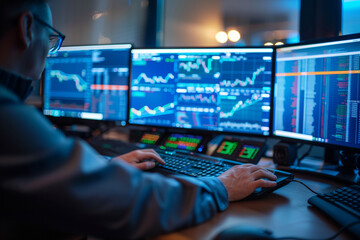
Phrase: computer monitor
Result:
[317,93]
[88,82]
[203,89]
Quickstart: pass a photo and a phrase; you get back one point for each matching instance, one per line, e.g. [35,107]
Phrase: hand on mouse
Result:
[242,180]
[141,158]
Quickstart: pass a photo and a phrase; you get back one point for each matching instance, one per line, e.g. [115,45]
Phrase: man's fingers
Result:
[251,167]
[247,165]
[146,165]
[147,154]
[264,183]
[263,173]
[264,178]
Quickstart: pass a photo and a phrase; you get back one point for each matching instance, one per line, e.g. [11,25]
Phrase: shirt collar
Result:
[17,84]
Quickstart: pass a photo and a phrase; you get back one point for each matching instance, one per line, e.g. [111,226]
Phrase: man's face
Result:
[39,48]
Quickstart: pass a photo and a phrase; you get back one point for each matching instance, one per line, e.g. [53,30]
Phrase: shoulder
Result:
[7,97]
[24,129]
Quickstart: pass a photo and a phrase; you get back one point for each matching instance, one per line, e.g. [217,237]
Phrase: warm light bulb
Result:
[279,43]
[268,44]
[234,36]
[221,37]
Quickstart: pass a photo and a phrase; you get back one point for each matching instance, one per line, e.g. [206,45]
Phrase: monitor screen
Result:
[211,89]
[183,141]
[88,82]
[317,92]
[151,138]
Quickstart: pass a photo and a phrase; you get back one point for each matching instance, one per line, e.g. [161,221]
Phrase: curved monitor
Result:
[317,92]
[210,89]
[88,82]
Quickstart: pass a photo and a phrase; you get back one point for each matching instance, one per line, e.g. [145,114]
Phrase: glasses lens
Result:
[54,44]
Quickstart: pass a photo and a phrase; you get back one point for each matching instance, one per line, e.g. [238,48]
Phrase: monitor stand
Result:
[83,131]
[337,165]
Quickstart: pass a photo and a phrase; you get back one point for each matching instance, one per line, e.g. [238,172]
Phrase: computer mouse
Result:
[244,233]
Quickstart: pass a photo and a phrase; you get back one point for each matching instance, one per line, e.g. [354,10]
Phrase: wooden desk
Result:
[284,212]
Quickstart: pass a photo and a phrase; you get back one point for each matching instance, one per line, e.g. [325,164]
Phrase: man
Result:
[54,187]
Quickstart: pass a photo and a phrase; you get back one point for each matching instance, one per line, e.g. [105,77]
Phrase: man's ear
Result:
[25,26]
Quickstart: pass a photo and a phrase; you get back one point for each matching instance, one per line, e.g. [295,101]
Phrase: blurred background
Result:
[202,22]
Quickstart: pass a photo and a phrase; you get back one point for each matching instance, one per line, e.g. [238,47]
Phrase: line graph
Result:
[146,111]
[198,64]
[243,83]
[153,80]
[80,84]
[241,105]
[197,98]
[241,125]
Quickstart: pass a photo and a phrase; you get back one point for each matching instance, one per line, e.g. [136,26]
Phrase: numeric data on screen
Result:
[208,89]
[317,92]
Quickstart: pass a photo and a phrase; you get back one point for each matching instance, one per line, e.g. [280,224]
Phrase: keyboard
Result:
[177,161]
[182,162]
[192,164]
[342,205]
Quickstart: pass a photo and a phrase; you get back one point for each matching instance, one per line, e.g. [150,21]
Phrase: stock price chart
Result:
[207,89]
[89,82]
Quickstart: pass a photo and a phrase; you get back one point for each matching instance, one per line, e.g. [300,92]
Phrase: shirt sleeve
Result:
[66,185]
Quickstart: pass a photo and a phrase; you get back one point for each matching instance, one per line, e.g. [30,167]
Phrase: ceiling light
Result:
[221,37]
[234,36]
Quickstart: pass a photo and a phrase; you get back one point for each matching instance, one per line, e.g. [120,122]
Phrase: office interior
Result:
[186,24]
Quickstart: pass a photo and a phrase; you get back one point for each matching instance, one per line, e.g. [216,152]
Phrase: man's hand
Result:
[141,158]
[242,180]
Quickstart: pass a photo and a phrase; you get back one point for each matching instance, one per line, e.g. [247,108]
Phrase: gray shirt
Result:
[60,185]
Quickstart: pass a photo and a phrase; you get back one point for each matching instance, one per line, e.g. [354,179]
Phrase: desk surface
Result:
[284,212]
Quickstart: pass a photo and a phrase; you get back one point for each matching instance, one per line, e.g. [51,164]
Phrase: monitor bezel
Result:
[66,120]
[196,130]
[304,141]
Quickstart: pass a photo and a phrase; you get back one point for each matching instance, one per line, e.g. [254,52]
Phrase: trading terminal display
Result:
[317,92]
[214,89]
[150,138]
[183,141]
[241,150]
[247,151]
[88,82]
[227,147]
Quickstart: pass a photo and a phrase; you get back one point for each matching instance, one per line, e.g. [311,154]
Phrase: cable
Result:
[300,145]
[304,155]
[330,238]
[295,180]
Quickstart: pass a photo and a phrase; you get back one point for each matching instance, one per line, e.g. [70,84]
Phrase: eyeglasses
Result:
[55,40]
